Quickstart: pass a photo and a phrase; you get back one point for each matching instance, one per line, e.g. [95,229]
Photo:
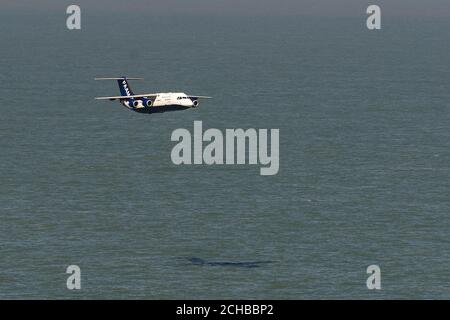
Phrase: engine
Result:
[137,103]
[195,103]
[149,103]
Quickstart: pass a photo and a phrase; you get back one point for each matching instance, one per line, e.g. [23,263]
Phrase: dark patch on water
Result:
[239,264]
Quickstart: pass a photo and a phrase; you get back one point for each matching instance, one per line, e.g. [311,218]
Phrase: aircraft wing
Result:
[199,97]
[148,95]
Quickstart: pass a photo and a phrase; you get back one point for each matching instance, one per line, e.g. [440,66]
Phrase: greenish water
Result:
[364,158]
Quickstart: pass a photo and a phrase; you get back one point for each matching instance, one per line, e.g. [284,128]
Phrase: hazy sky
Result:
[242,7]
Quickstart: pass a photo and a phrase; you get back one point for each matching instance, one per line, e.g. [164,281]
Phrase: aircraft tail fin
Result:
[124,86]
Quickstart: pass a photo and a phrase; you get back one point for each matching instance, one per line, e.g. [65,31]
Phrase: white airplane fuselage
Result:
[164,99]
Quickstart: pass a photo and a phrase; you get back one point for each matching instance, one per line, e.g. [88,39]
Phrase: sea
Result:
[364,142]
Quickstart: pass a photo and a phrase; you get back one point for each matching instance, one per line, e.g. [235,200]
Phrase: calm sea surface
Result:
[364,158]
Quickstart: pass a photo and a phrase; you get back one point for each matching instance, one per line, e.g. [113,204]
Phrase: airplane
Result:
[151,102]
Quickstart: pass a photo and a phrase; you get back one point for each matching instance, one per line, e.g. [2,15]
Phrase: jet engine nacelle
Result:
[149,103]
[137,103]
[195,103]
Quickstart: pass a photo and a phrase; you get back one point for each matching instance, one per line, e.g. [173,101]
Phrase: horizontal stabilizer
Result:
[121,78]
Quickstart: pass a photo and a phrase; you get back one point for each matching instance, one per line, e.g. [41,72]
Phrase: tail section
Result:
[124,86]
